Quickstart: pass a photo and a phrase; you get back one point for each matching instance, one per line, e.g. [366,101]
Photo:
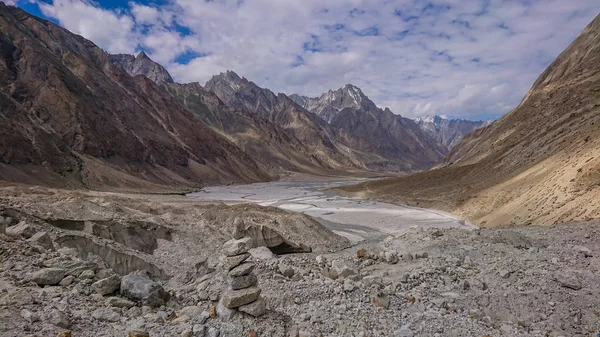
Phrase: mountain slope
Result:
[449,132]
[307,128]
[70,118]
[398,142]
[273,147]
[539,164]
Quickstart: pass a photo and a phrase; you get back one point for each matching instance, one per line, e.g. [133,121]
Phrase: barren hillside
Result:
[539,164]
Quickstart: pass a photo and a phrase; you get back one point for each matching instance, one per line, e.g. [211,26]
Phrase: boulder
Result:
[262,253]
[343,269]
[140,288]
[242,269]
[22,230]
[65,333]
[237,247]
[286,270]
[230,262]
[43,240]
[256,308]
[48,276]
[242,282]
[107,285]
[235,298]
[568,280]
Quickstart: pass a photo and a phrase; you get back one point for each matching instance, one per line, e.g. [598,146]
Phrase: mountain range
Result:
[73,115]
[538,164]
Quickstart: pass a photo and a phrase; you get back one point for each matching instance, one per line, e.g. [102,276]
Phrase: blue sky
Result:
[472,59]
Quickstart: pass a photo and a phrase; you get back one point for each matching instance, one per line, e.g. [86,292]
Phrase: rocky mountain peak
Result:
[142,64]
[448,131]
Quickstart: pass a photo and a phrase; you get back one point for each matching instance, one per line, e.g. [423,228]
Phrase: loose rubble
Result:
[518,281]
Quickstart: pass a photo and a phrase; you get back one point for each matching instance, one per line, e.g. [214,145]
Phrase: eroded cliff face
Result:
[71,118]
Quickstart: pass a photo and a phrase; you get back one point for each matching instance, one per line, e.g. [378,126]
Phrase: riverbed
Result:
[355,219]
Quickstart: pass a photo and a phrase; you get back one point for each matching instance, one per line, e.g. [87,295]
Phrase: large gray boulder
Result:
[23,230]
[237,247]
[48,276]
[141,289]
[42,239]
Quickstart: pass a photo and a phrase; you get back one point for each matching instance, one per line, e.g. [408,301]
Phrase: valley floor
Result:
[416,281]
[352,218]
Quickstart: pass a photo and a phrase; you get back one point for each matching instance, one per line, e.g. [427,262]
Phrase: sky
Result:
[472,59]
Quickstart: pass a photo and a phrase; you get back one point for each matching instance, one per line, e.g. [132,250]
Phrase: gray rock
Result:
[139,288]
[407,257]
[119,302]
[224,313]
[242,269]
[59,319]
[22,230]
[103,273]
[198,330]
[190,311]
[48,276]
[403,332]
[391,257]
[235,298]
[213,332]
[568,281]
[585,251]
[343,269]
[42,239]
[242,282]
[106,315]
[87,274]
[108,285]
[230,262]
[237,247]
[29,316]
[67,281]
[286,270]
[371,280]
[262,253]
[256,308]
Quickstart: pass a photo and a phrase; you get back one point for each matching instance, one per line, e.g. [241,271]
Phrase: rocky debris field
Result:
[521,281]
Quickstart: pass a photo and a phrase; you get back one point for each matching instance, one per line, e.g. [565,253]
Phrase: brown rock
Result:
[137,333]
[381,301]
[213,311]
[65,333]
[252,333]
[362,254]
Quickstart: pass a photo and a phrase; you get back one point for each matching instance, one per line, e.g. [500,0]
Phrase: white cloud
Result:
[10,2]
[453,57]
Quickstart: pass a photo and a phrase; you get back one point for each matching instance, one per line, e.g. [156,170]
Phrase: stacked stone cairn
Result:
[243,293]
